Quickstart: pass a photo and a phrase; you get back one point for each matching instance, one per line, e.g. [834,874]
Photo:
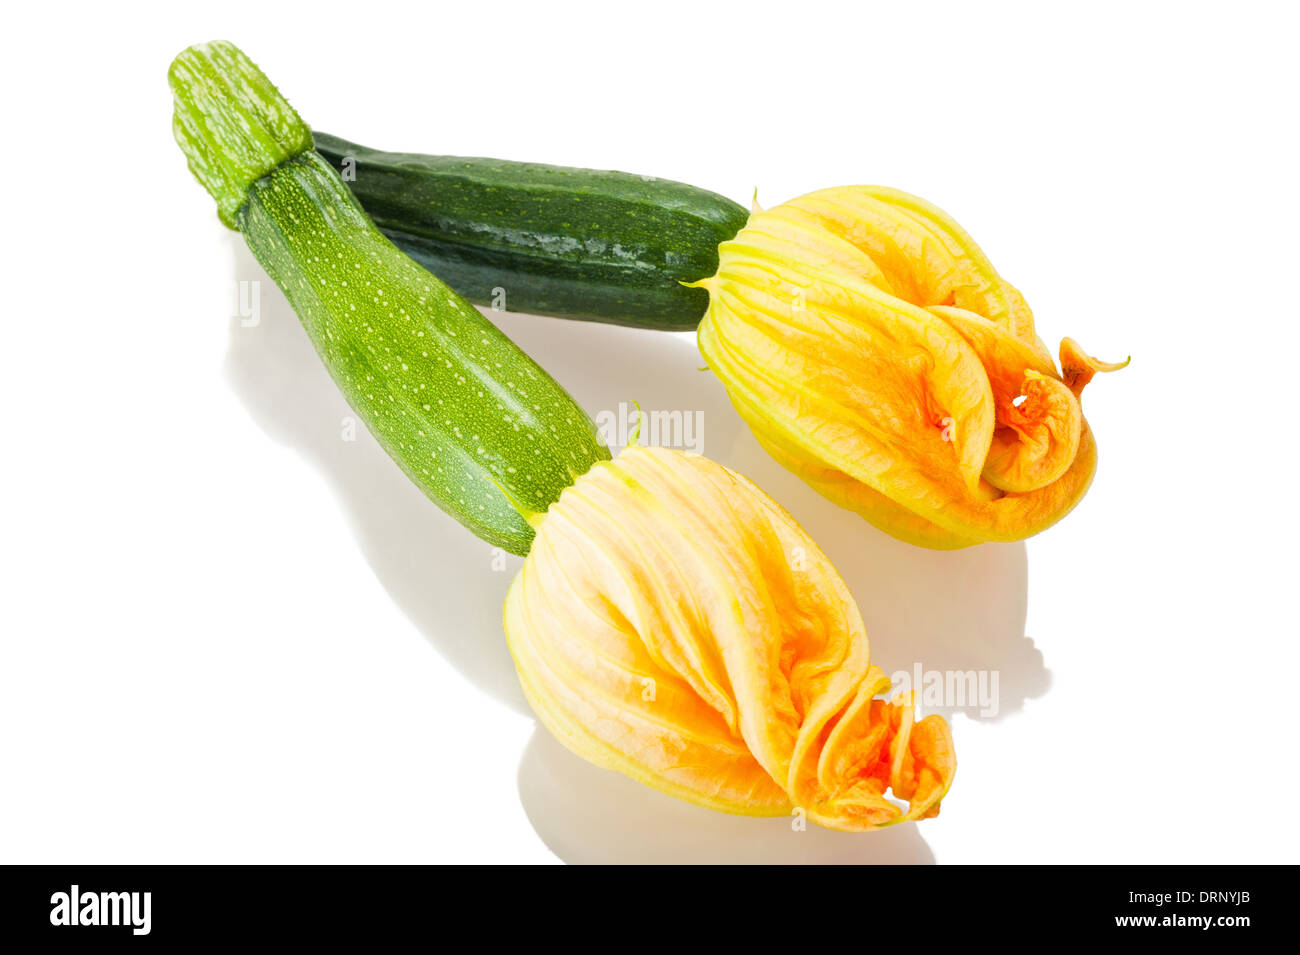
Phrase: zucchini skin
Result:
[486,433]
[575,243]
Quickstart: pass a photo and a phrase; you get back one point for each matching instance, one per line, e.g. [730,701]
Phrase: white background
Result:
[228,635]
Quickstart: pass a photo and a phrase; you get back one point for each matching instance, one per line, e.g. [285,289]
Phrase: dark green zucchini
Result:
[550,240]
[474,422]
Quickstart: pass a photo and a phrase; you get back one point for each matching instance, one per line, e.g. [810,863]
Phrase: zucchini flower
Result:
[875,352]
[672,622]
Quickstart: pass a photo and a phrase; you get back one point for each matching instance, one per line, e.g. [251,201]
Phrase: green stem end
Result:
[231,122]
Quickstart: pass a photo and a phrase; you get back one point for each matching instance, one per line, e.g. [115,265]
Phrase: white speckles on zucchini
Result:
[549,240]
[503,438]
[471,419]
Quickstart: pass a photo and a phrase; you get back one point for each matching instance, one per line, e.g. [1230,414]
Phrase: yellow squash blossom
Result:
[875,352]
[672,622]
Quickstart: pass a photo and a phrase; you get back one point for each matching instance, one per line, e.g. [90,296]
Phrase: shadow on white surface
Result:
[944,611]
[440,575]
[589,815]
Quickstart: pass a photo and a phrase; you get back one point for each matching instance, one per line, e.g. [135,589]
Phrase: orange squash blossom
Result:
[874,351]
[672,622]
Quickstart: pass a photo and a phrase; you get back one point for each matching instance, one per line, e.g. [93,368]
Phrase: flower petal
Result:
[674,623]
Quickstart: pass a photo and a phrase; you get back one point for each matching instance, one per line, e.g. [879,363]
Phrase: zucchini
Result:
[549,240]
[472,420]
